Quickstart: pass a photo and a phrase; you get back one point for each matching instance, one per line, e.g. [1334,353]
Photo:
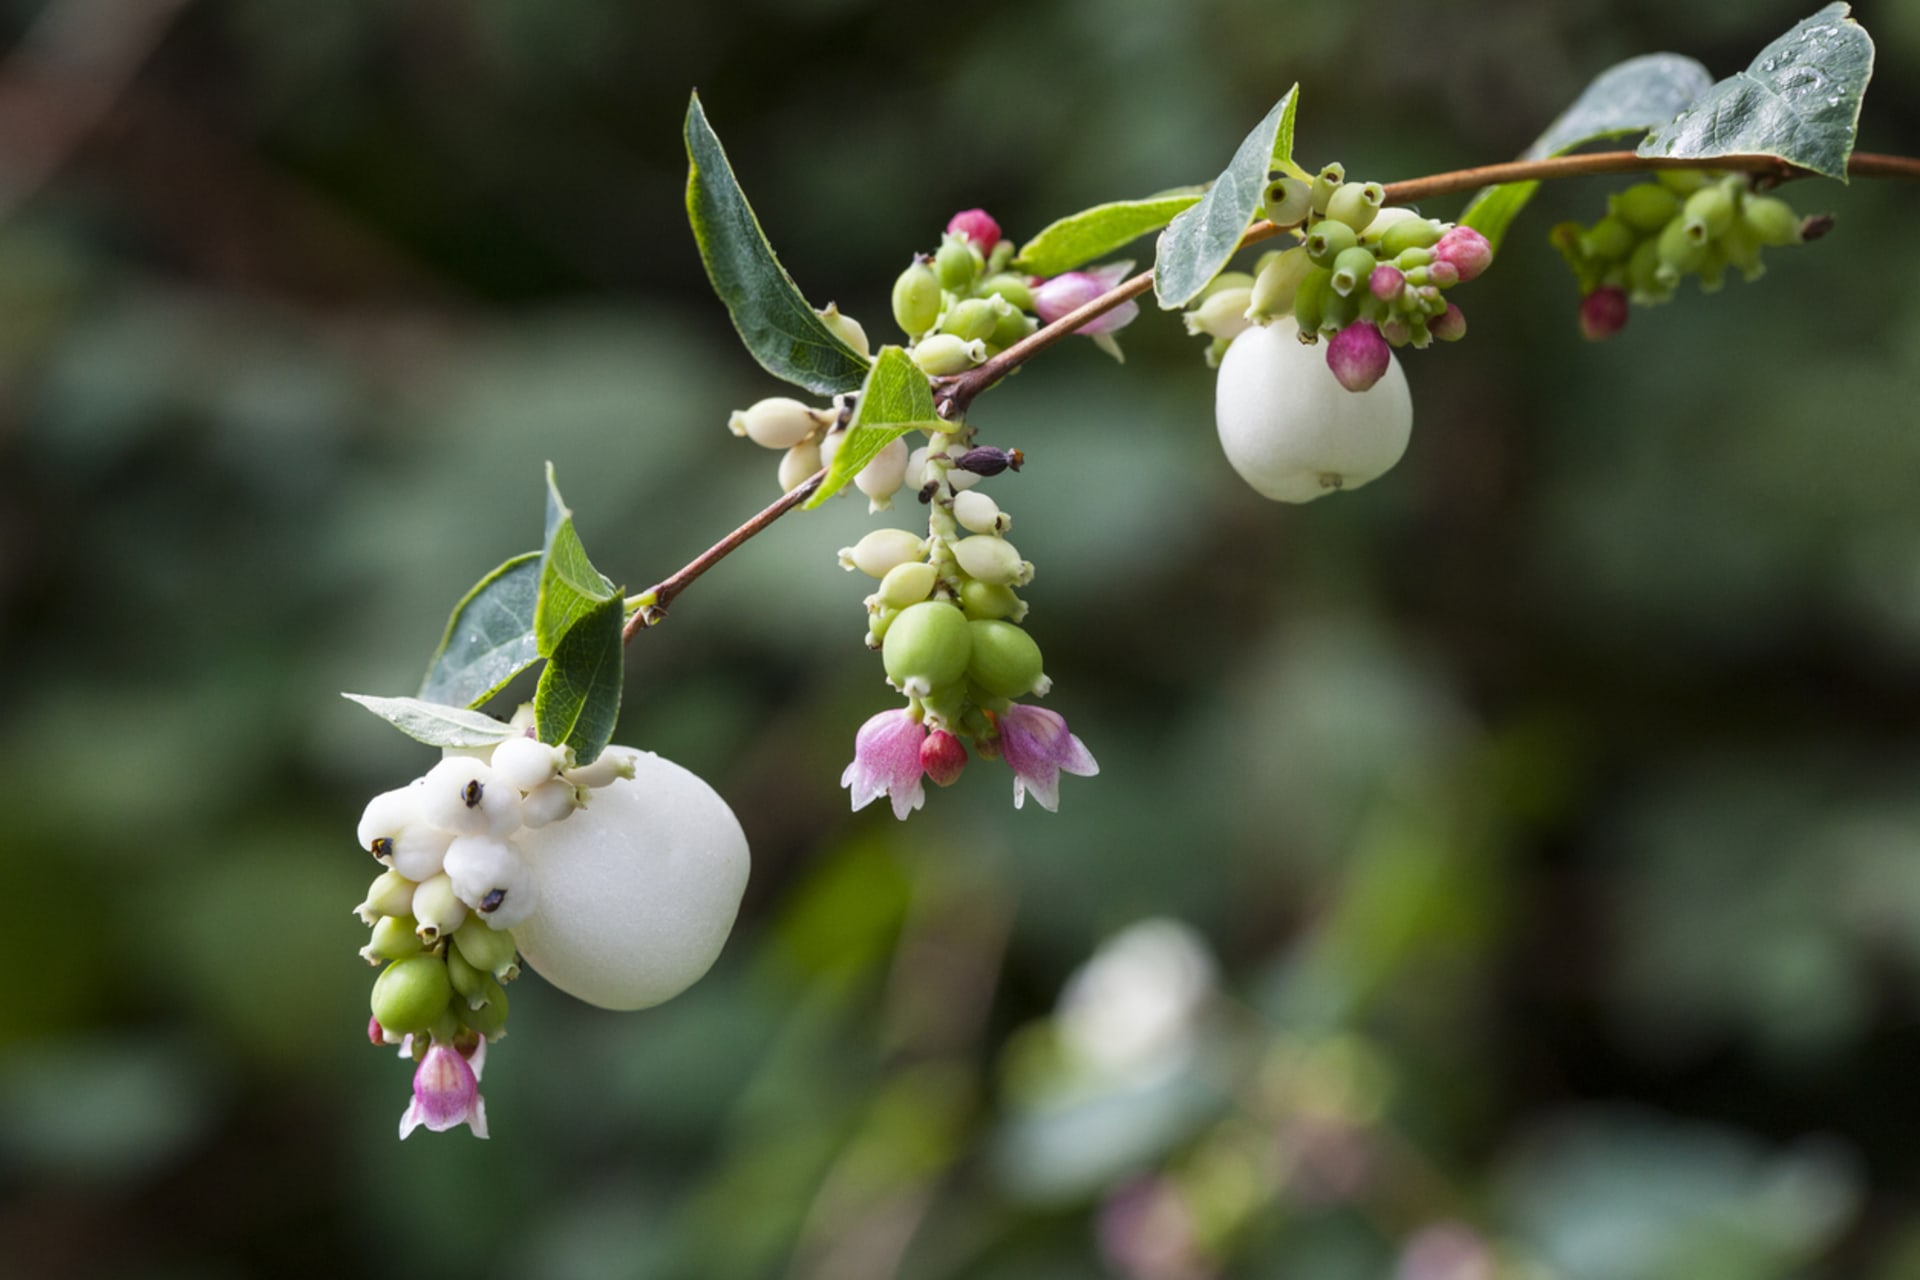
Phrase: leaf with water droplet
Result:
[1799,100]
[1628,97]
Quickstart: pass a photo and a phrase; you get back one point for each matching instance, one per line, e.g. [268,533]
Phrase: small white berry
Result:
[979,513]
[527,762]
[490,878]
[462,797]
[549,802]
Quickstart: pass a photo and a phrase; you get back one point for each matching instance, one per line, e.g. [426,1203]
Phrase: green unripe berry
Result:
[944,353]
[1288,202]
[1222,314]
[1682,182]
[1645,206]
[467,980]
[879,618]
[1742,248]
[1006,661]
[1643,273]
[411,993]
[1010,325]
[1608,240]
[486,949]
[1225,281]
[970,320]
[927,648]
[1324,186]
[1771,219]
[1352,268]
[907,584]
[1328,240]
[1708,213]
[1713,269]
[1356,205]
[916,299]
[957,265]
[1014,289]
[1310,301]
[1409,233]
[393,939]
[490,1019]
[990,600]
[1679,252]
[1279,278]
[997,260]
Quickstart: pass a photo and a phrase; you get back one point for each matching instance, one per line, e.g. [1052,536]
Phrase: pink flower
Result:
[886,762]
[1036,745]
[1075,289]
[978,226]
[1465,250]
[446,1092]
[1358,355]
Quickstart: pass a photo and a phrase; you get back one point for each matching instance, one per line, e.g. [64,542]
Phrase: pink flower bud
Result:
[942,756]
[976,225]
[375,1032]
[1465,250]
[1444,274]
[1072,290]
[1386,282]
[1603,313]
[1358,356]
[1450,325]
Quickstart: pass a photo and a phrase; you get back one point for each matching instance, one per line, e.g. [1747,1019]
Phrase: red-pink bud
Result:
[1450,325]
[977,226]
[943,757]
[1466,250]
[1603,313]
[375,1032]
[1386,282]
[1358,356]
[1444,274]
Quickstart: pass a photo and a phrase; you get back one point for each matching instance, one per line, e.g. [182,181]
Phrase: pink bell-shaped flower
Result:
[1072,290]
[886,762]
[446,1092]
[1037,746]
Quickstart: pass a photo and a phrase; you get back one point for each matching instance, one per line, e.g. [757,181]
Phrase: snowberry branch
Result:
[953,395]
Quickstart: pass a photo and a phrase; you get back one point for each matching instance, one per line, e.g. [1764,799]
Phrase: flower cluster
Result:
[1655,234]
[456,881]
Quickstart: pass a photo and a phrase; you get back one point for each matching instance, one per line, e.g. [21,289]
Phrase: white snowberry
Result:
[527,762]
[462,797]
[492,880]
[1291,430]
[638,890]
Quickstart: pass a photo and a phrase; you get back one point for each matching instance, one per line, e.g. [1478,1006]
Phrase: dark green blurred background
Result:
[1550,809]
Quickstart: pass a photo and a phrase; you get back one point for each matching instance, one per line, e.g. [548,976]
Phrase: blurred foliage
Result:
[1541,817]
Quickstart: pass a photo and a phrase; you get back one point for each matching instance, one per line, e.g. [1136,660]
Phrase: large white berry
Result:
[1291,430]
[638,890]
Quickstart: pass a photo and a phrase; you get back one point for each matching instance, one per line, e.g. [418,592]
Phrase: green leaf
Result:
[489,639]
[570,587]
[1628,97]
[1198,243]
[1094,233]
[434,723]
[779,327]
[1799,100]
[896,399]
[578,699]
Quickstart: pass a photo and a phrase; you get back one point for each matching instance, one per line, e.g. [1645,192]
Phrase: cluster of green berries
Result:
[1655,234]
[1368,277]
[960,306]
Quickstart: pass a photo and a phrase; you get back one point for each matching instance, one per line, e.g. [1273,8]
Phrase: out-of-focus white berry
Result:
[797,463]
[846,328]
[775,423]
[611,765]
[830,445]
[463,797]
[638,890]
[527,762]
[437,909]
[881,478]
[978,513]
[879,552]
[917,476]
[549,802]
[1291,430]
[993,560]
[417,851]
[490,878]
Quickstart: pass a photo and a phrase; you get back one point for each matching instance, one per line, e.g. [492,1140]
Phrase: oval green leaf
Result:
[570,587]
[1798,100]
[1629,97]
[1094,233]
[577,701]
[489,638]
[1198,243]
[435,724]
[781,330]
[896,399]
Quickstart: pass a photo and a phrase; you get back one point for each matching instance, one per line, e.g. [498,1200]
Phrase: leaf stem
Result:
[953,395]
